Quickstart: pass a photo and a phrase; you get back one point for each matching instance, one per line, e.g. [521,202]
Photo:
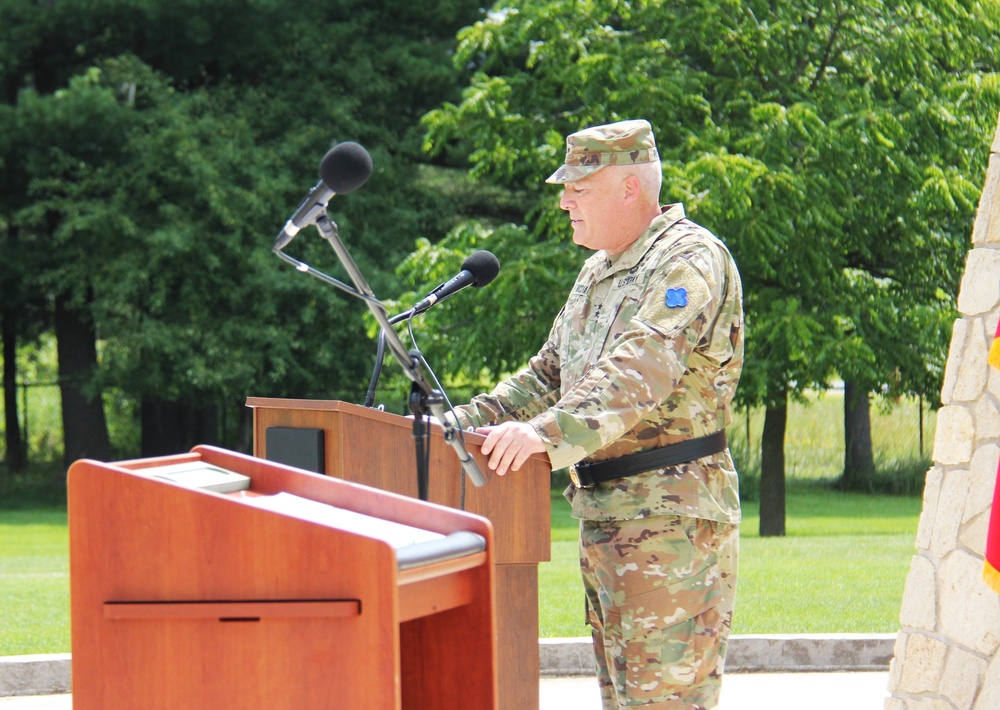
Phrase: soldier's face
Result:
[594,205]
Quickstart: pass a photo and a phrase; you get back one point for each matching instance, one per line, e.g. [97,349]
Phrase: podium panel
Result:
[183,597]
[376,448]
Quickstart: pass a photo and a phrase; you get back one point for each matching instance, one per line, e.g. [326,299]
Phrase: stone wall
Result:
[946,651]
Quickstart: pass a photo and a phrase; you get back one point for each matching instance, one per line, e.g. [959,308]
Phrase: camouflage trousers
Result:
[660,593]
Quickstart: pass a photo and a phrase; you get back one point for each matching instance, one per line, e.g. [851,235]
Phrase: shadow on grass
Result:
[43,485]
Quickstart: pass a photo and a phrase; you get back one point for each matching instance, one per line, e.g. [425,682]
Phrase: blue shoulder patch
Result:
[677,297]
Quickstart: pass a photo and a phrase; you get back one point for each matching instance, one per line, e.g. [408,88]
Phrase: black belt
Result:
[588,475]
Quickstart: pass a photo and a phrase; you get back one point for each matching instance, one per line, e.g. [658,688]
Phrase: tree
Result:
[772,123]
[208,132]
[15,455]
[73,131]
[916,177]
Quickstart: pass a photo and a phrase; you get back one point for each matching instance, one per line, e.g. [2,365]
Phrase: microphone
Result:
[344,168]
[478,270]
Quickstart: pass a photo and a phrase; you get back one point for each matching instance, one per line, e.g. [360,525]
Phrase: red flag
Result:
[991,569]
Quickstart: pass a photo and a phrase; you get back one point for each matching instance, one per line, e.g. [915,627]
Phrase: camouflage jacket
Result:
[646,352]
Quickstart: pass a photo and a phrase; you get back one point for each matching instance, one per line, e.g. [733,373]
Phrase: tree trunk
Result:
[85,429]
[16,459]
[174,427]
[772,471]
[859,460]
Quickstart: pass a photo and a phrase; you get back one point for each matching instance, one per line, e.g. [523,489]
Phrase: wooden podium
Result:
[376,448]
[189,598]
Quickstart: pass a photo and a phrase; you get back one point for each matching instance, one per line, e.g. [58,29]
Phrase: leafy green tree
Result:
[473,336]
[773,122]
[12,305]
[917,175]
[201,127]
[72,131]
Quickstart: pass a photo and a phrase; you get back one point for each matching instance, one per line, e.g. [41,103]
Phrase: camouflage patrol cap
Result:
[621,143]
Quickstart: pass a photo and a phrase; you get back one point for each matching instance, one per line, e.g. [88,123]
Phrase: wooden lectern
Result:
[376,448]
[195,599]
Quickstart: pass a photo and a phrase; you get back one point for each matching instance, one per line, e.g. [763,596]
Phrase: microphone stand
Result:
[424,399]
[380,357]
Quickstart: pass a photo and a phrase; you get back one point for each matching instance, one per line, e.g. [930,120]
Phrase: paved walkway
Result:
[747,691]
[741,691]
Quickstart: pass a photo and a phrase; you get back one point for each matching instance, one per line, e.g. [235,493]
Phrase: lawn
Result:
[840,568]
[34,582]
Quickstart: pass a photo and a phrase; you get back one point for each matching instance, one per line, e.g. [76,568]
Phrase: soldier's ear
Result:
[632,189]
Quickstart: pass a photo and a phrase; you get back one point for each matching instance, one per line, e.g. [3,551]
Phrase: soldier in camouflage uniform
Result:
[646,353]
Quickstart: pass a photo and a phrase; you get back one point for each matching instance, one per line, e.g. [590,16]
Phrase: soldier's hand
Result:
[509,445]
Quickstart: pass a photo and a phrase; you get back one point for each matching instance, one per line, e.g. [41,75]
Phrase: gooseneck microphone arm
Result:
[477,271]
[306,269]
[345,168]
[423,397]
[328,230]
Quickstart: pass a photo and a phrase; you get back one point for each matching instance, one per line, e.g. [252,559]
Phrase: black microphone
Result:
[345,168]
[478,270]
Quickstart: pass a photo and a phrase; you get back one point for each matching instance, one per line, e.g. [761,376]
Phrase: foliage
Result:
[39,486]
[748,467]
[902,432]
[153,148]
[812,139]
[489,330]
[836,147]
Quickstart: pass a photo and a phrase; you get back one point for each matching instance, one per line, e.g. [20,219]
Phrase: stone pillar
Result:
[946,651]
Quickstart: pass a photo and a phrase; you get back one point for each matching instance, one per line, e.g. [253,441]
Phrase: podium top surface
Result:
[334,406]
[356,410]
[321,404]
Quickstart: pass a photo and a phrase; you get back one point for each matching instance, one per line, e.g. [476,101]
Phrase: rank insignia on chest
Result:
[676,297]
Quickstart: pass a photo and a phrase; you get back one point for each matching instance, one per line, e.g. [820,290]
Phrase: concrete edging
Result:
[49,674]
[780,653]
[43,674]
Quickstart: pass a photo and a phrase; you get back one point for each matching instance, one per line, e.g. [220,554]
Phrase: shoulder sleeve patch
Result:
[675,297]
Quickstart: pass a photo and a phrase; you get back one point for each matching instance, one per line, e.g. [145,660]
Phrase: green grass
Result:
[840,568]
[843,563]
[34,582]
